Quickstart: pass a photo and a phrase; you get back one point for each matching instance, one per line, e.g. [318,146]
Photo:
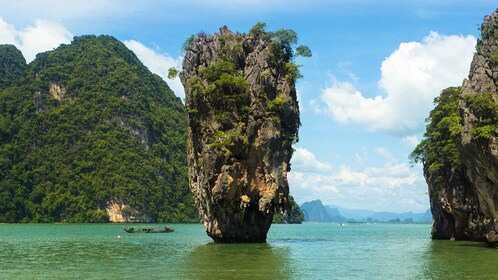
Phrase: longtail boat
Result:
[148,230]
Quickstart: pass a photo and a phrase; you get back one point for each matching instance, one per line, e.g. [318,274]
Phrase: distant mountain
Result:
[427,217]
[313,212]
[386,216]
[353,214]
[335,215]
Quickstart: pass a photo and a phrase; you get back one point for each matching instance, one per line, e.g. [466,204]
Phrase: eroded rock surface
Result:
[243,119]
[465,203]
[121,212]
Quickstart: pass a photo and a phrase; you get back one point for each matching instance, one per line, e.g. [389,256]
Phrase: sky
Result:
[366,92]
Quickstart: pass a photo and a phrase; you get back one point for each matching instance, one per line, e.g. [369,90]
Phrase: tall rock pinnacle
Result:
[460,149]
[243,119]
[479,143]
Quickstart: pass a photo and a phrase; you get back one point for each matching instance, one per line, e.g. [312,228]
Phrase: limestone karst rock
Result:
[462,171]
[480,152]
[243,118]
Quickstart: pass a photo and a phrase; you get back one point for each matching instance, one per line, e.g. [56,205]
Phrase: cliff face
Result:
[454,205]
[460,152]
[479,136]
[243,119]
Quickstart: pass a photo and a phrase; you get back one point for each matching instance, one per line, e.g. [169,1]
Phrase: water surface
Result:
[308,251]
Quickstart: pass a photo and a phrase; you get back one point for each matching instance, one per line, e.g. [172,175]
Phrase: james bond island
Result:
[243,118]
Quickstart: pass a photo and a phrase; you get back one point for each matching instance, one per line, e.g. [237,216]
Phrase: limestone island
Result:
[243,117]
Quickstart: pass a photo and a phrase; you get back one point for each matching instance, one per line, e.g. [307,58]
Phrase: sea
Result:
[306,251]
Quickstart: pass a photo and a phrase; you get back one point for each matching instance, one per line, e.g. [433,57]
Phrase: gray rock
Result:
[465,204]
[238,186]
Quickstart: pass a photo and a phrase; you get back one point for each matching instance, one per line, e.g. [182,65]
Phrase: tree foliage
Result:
[118,131]
[12,65]
[188,42]
[258,30]
[172,73]
[439,148]
[282,46]
[294,214]
[485,109]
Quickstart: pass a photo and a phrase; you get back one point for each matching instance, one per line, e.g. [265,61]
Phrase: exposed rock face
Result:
[465,204]
[480,156]
[57,91]
[120,212]
[453,205]
[243,118]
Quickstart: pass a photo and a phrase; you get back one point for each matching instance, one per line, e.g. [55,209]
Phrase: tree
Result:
[439,148]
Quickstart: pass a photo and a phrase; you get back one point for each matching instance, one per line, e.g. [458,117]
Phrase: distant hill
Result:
[414,217]
[352,214]
[89,134]
[313,212]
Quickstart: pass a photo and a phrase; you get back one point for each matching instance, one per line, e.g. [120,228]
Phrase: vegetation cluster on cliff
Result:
[439,148]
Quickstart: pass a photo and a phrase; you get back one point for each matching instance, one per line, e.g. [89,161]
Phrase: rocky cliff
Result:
[460,149]
[479,143]
[243,118]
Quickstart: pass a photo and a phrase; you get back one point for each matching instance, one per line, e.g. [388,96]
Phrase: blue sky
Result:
[376,67]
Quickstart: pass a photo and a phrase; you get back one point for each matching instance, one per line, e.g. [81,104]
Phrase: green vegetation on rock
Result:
[486,110]
[294,214]
[439,148]
[87,123]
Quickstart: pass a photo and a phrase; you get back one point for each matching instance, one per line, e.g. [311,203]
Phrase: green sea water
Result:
[307,251]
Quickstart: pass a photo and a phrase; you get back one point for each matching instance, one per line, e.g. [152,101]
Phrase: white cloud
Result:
[7,32]
[411,141]
[303,159]
[315,106]
[392,186]
[42,36]
[158,63]
[411,77]
[383,152]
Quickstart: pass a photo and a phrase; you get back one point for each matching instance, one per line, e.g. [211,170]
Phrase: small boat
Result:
[148,230]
